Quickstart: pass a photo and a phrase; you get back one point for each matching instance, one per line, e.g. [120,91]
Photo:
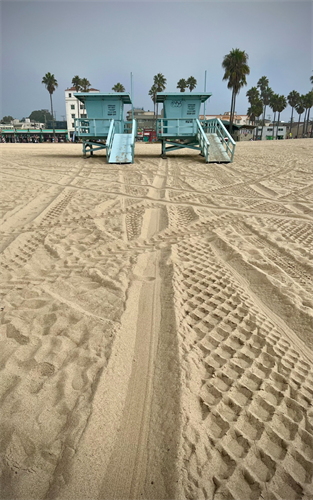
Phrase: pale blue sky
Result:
[105,41]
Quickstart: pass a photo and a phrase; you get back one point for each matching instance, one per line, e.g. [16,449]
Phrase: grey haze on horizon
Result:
[106,41]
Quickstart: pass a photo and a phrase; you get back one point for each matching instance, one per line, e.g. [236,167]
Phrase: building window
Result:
[70,95]
[72,106]
[73,125]
[280,129]
[73,116]
[270,130]
[81,106]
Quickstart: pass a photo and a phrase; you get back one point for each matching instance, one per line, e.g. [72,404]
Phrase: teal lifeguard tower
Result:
[181,127]
[105,128]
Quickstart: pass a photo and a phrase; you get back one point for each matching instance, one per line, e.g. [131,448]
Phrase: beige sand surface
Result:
[156,324]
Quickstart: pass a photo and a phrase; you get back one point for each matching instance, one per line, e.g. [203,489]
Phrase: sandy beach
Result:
[156,324]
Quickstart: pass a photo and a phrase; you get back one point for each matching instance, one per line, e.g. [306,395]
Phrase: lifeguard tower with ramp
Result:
[181,128]
[105,127]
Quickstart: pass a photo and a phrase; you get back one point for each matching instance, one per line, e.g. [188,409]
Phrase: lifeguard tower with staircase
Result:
[181,128]
[105,127]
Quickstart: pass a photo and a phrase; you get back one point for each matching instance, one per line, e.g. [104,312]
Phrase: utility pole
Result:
[131,94]
[204,101]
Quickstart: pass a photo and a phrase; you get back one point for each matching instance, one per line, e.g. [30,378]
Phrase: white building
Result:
[74,108]
[268,132]
[27,124]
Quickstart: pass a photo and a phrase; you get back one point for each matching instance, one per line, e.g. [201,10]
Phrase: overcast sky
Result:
[106,41]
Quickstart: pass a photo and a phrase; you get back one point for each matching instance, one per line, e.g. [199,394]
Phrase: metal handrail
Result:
[215,126]
[203,141]
[128,126]
[81,125]
[177,125]
[110,139]
[134,133]
[93,127]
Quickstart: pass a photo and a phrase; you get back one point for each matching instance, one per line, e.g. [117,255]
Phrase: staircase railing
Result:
[175,127]
[134,133]
[110,139]
[92,127]
[215,126]
[203,141]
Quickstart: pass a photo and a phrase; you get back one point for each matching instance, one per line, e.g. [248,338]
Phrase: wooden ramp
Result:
[217,152]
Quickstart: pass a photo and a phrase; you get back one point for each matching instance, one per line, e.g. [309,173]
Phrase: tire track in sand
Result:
[131,465]
[129,468]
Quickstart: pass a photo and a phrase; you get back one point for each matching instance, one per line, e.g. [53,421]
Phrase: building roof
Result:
[83,96]
[236,126]
[221,116]
[92,90]
[203,96]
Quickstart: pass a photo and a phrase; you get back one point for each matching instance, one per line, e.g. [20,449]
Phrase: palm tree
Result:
[253,95]
[85,84]
[274,107]
[281,105]
[182,85]
[51,84]
[293,99]
[191,83]
[159,81]
[254,99]
[308,103]
[77,84]
[305,115]
[310,98]
[265,92]
[299,109]
[255,110]
[118,87]
[236,69]
[152,94]
[311,79]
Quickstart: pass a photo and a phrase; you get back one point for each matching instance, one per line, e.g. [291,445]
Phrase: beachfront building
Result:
[269,133]
[26,124]
[74,108]
[238,119]
[300,131]
[145,119]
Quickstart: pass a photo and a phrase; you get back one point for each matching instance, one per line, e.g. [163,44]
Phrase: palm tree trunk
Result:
[308,120]
[53,126]
[304,120]
[231,108]
[274,123]
[291,119]
[231,112]
[277,125]
[298,126]
[263,121]
[234,110]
